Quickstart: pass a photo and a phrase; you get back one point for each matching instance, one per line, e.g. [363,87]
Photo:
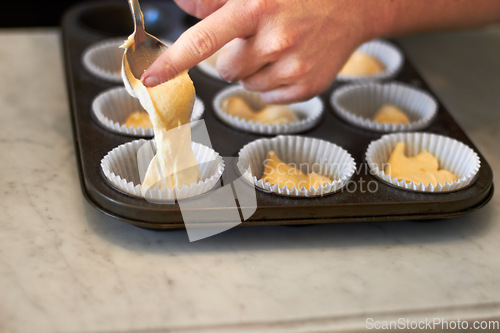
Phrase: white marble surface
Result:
[64,267]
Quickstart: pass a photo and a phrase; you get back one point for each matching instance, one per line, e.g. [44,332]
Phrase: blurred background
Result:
[32,13]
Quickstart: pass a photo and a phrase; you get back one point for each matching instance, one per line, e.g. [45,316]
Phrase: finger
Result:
[288,94]
[297,91]
[199,42]
[246,57]
[200,8]
[240,59]
[267,78]
[288,70]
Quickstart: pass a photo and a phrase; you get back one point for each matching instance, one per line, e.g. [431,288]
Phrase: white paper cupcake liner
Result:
[452,155]
[112,107]
[386,53]
[104,59]
[120,167]
[308,154]
[309,112]
[358,103]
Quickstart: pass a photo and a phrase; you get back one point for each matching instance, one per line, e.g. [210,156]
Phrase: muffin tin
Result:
[90,23]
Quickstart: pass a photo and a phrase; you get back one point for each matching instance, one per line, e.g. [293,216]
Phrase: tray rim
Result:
[90,194]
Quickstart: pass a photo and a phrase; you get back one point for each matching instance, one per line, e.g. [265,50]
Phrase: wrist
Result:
[379,18]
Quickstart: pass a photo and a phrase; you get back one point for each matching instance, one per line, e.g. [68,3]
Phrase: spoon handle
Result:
[140,33]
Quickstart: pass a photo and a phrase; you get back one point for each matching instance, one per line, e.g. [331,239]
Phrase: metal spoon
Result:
[140,54]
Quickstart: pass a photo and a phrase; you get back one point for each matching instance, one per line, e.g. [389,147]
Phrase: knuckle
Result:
[203,42]
[226,72]
[226,75]
[255,8]
[169,69]
[296,70]
[283,42]
[258,83]
[250,85]
[279,43]
[255,11]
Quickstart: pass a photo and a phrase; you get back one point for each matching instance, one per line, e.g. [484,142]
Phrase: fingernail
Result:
[151,81]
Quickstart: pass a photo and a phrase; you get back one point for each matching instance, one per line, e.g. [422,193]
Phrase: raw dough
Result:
[362,64]
[138,119]
[278,172]
[391,114]
[422,168]
[271,114]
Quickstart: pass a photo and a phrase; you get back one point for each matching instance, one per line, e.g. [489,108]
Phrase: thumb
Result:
[200,42]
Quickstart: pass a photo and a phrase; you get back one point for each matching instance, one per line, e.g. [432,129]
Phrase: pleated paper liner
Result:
[452,155]
[309,113]
[387,53]
[314,155]
[112,107]
[104,59]
[121,169]
[358,103]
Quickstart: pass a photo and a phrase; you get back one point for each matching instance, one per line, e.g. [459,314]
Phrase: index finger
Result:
[200,42]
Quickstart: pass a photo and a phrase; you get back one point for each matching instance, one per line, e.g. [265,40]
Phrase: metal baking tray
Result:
[88,23]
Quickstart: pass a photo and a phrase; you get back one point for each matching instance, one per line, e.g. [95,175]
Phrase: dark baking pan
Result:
[88,23]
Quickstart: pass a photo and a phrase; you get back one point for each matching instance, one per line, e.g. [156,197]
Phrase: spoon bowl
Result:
[141,50]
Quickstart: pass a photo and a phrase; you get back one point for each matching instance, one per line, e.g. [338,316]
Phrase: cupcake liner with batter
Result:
[358,103]
[112,107]
[308,154]
[452,155]
[309,113]
[387,53]
[121,168]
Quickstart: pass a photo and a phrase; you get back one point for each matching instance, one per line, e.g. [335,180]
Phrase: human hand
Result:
[286,50]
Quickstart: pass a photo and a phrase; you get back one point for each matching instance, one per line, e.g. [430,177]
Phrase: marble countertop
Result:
[64,267]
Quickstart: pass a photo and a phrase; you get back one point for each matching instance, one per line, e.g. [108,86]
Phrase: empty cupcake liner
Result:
[308,154]
[452,155]
[104,59]
[121,169]
[358,103]
[309,112]
[386,53]
[112,107]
